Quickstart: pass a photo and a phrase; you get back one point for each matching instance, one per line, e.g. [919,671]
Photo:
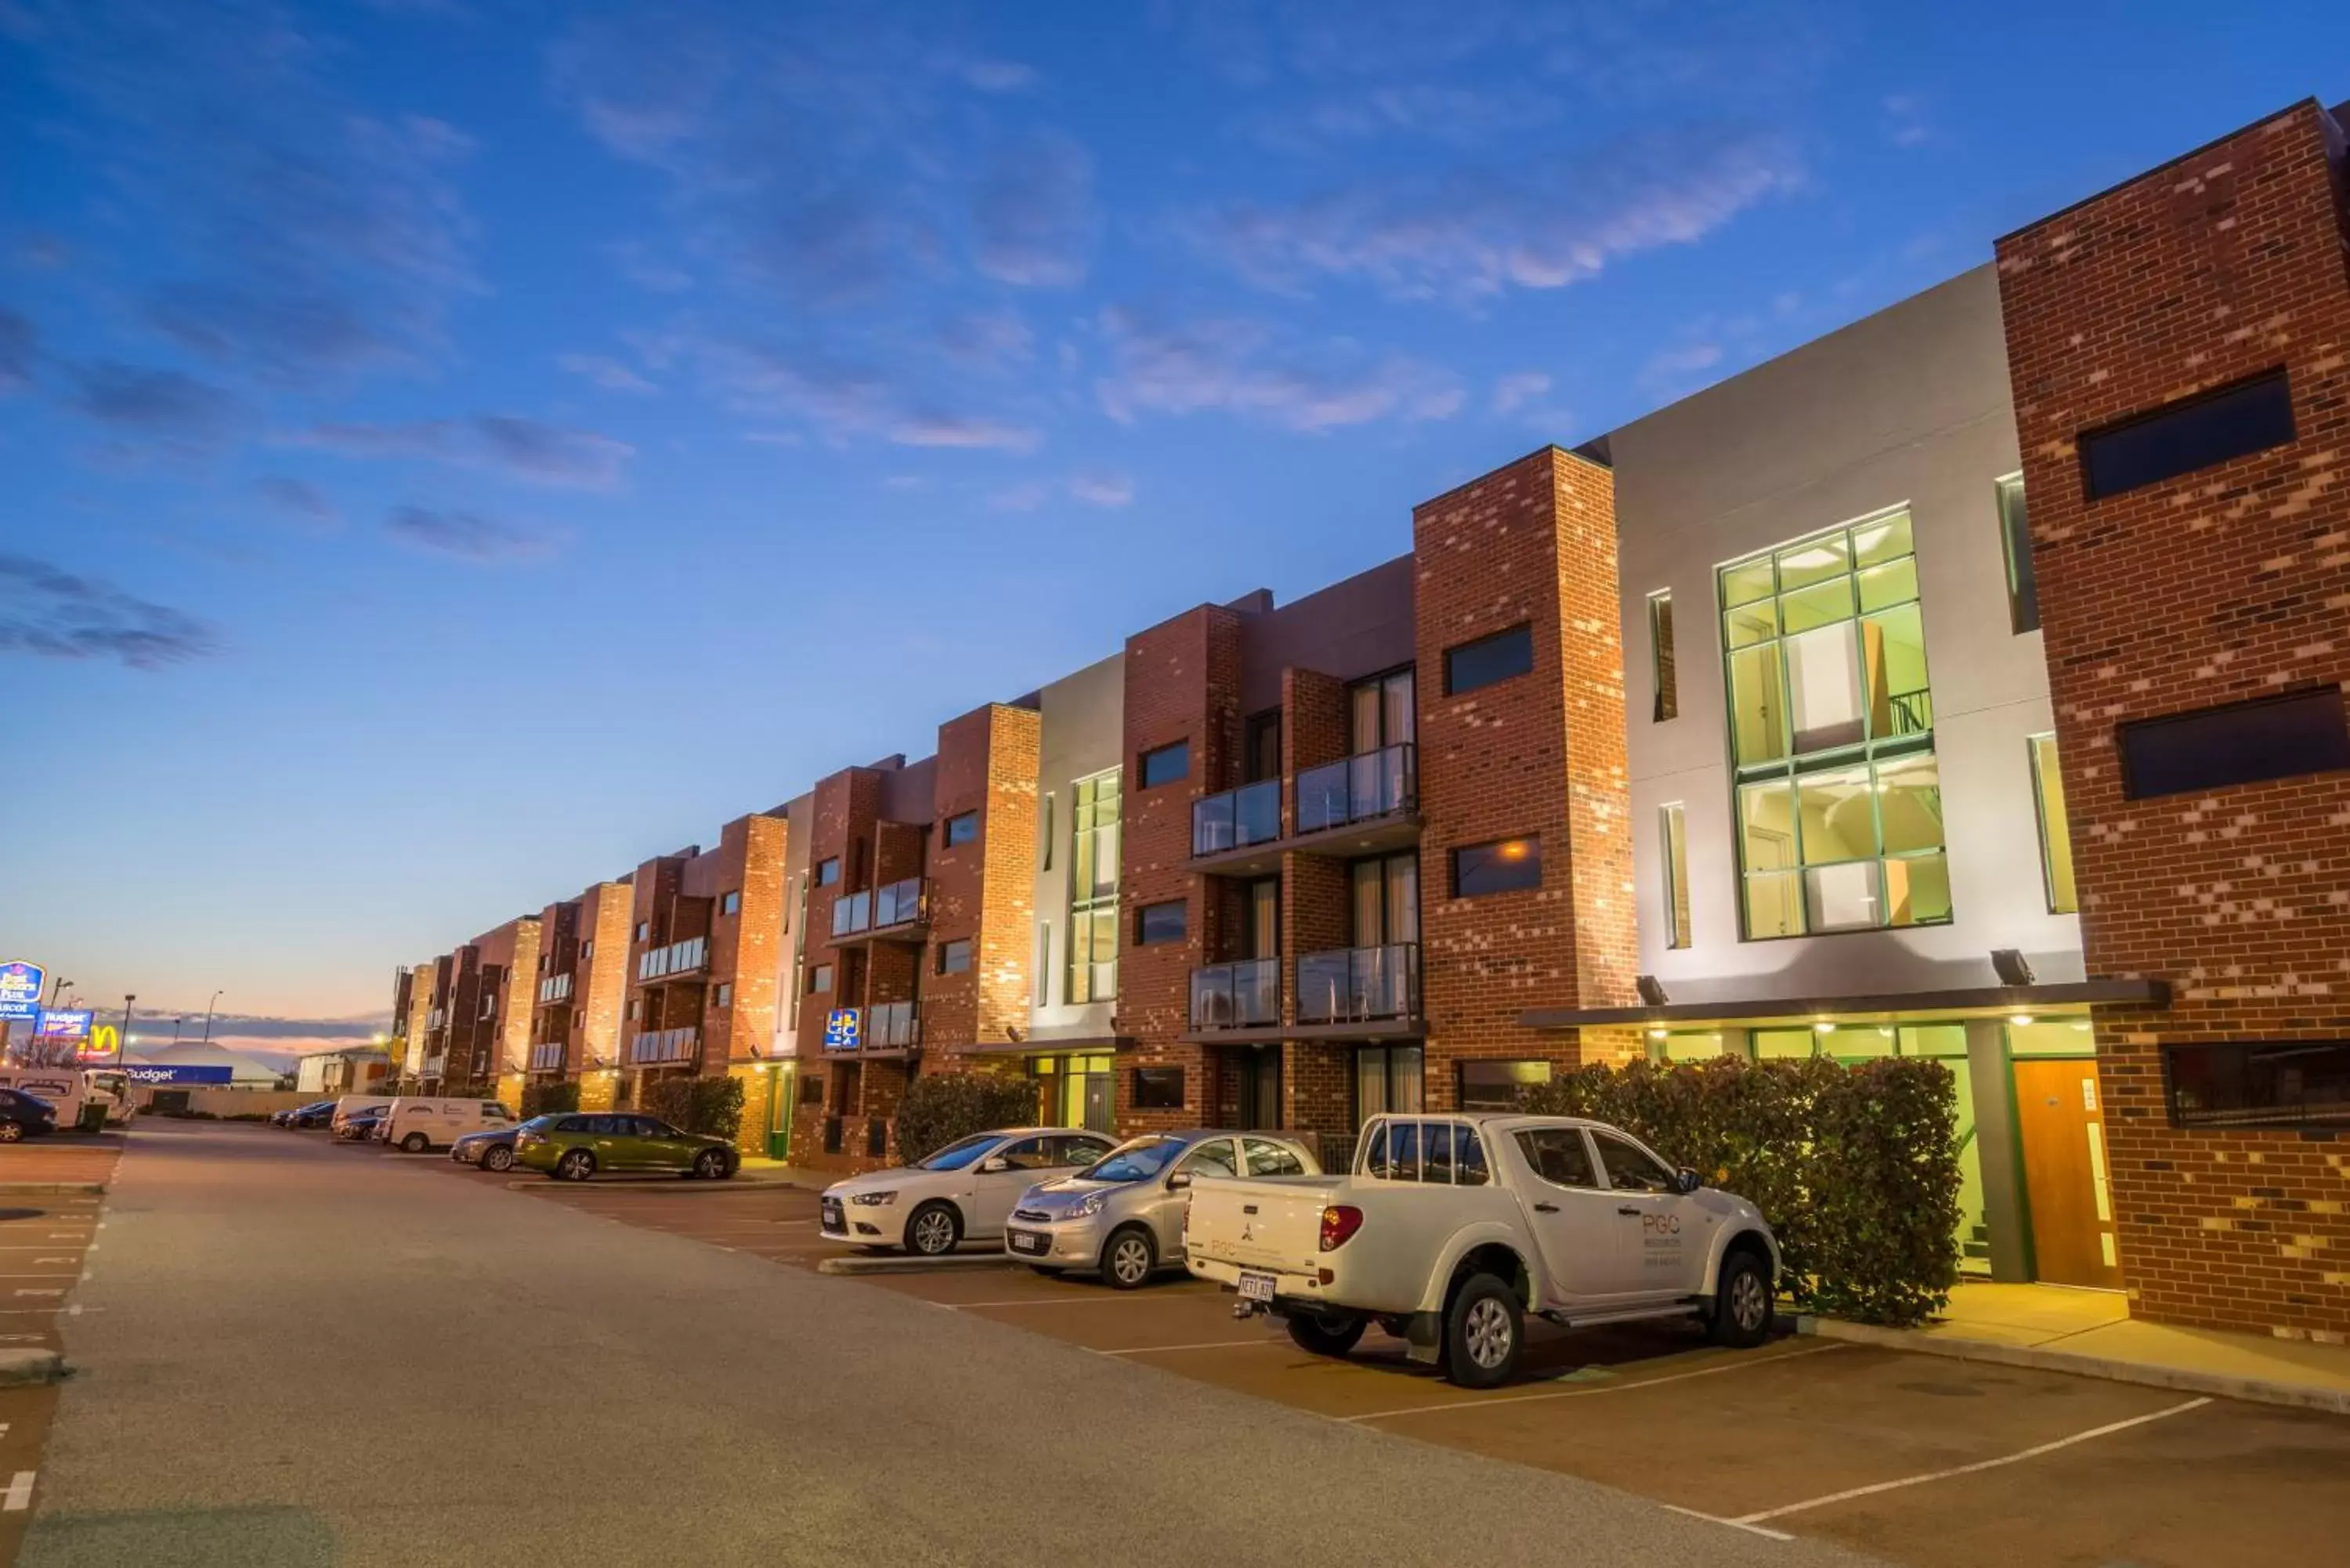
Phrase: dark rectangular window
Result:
[1167,764]
[1494,1085]
[962,828]
[1663,678]
[2259,1084]
[1482,868]
[828,871]
[1261,749]
[726,994]
[1488,659]
[954,957]
[1156,923]
[2015,538]
[2196,433]
[819,978]
[1159,1088]
[731,904]
[2241,743]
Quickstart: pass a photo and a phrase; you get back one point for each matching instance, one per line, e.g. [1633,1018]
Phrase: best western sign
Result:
[20,988]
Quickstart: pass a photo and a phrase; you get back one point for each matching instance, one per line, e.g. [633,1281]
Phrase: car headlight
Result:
[873,1199]
[1092,1204]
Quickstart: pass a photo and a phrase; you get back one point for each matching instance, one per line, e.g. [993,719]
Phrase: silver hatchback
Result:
[1124,1215]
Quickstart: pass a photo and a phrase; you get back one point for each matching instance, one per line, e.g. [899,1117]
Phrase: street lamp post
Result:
[123,1046]
[208,1017]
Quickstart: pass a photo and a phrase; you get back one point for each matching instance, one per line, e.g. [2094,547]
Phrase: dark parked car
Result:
[313,1115]
[359,1128]
[22,1116]
[493,1149]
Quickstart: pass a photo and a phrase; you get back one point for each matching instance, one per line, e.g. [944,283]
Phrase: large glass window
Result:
[2056,837]
[1388,1078]
[1488,659]
[1166,764]
[1093,889]
[1839,800]
[1380,711]
[1482,868]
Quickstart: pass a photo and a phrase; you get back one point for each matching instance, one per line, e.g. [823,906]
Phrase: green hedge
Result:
[549,1099]
[937,1111]
[1856,1168]
[711,1105]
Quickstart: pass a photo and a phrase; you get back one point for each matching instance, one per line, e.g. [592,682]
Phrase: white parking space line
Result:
[1103,1299]
[1743,1363]
[1977,1467]
[1733,1524]
[19,1495]
[1201,1344]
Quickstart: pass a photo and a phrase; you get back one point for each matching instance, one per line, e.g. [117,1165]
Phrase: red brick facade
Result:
[2229,582]
[1538,754]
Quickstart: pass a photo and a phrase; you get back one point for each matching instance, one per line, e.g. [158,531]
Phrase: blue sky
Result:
[456,448]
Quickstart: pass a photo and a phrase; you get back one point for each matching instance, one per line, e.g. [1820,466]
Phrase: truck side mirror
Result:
[1685,1181]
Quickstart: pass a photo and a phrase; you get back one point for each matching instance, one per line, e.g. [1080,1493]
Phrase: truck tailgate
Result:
[1269,1223]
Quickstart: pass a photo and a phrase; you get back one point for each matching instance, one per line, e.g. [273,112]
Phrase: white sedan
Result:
[964,1192]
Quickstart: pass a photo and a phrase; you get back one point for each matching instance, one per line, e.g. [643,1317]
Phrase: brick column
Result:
[2229,582]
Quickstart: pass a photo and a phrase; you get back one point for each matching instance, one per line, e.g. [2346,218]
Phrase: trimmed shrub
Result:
[548,1099]
[713,1106]
[1856,1168]
[935,1111]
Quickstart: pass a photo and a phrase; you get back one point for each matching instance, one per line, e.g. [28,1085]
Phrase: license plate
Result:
[1024,1242]
[1256,1287]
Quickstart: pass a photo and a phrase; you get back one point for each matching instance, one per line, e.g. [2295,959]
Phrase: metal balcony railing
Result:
[431,1067]
[1244,995]
[897,904]
[1354,985]
[892,1025]
[546,1056]
[678,958]
[1358,788]
[554,988]
[1237,818]
[650,1046]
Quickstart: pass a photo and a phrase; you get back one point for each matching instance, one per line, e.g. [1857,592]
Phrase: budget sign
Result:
[56,1025]
[20,988]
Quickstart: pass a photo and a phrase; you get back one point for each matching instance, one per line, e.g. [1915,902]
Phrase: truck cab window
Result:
[1629,1169]
[1558,1156]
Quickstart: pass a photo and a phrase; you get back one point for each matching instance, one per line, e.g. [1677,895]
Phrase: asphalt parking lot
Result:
[46,1240]
[1915,1459]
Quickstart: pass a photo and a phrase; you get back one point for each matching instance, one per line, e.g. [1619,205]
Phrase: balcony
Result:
[892,1026]
[892,913]
[547,1056]
[676,961]
[1236,818]
[1244,995]
[1364,805]
[1360,985]
[1362,788]
[431,1067]
[652,1047]
[554,988]
[437,1019]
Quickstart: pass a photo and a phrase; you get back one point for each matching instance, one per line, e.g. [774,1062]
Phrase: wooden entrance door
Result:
[2062,1126]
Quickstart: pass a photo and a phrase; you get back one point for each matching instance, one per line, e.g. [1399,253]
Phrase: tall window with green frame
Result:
[1093,889]
[1839,797]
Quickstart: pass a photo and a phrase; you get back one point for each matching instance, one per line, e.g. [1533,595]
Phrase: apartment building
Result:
[1965,684]
[582,981]
[494,1044]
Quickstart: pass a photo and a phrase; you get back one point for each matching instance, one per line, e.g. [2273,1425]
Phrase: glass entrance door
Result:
[783,1093]
[1258,1073]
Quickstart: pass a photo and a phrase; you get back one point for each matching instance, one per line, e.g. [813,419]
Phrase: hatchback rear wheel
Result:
[577,1165]
[710,1165]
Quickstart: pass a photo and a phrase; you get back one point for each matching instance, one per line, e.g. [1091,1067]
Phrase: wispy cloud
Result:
[55,613]
[964,431]
[1101,489]
[523,449]
[18,344]
[149,403]
[298,499]
[1032,213]
[1251,369]
[992,342]
[604,371]
[1904,123]
[1474,234]
[1523,396]
[1680,368]
[1091,489]
[468,536]
[997,76]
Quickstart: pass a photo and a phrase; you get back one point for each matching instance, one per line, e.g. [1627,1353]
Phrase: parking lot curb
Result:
[51,1189]
[894,1263]
[19,1368]
[2256,1390]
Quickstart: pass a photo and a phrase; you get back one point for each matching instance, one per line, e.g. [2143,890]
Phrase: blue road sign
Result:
[842,1029]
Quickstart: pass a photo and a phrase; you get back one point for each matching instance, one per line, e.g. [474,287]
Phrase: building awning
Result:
[1371,1033]
[1909,1006]
[1089,1044]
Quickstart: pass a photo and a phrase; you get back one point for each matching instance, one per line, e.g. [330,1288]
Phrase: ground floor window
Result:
[1388,1078]
[1074,1090]
[1494,1085]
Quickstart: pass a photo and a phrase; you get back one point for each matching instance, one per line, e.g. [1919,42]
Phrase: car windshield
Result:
[1137,1161]
[955,1155]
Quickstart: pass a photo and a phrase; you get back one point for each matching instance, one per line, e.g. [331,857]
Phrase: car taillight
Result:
[1339,1223]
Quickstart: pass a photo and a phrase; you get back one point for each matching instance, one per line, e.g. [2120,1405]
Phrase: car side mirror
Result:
[1179,1180]
[1685,1181]
[992,1164]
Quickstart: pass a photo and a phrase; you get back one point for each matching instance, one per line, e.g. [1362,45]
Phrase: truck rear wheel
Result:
[1325,1333]
[1484,1332]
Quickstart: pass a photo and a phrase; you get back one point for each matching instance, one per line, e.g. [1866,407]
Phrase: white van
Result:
[414,1125]
[352,1106]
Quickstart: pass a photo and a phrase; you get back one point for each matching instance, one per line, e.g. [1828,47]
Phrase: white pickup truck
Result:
[1451,1229]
